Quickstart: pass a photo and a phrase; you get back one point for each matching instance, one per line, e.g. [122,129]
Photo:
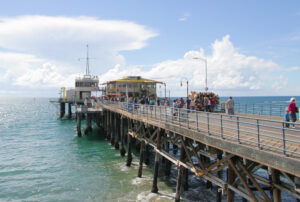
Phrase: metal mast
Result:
[87,61]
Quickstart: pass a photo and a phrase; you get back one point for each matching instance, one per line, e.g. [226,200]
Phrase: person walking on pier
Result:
[287,118]
[230,106]
[292,108]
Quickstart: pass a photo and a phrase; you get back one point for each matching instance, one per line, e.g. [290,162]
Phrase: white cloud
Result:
[184,17]
[227,70]
[42,51]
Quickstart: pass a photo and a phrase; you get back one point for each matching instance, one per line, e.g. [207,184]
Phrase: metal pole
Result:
[283,138]
[165,92]
[206,75]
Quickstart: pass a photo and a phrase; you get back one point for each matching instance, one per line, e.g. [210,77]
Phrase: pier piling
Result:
[62,109]
[141,159]
[180,173]
[122,150]
[129,142]
[156,164]
[69,110]
[79,125]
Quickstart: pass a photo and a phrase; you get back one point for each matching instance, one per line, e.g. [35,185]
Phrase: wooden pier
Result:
[209,144]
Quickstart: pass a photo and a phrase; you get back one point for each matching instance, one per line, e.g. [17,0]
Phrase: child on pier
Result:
[287,118]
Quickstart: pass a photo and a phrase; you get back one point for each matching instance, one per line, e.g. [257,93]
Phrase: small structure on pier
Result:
[133,86]
[84,86]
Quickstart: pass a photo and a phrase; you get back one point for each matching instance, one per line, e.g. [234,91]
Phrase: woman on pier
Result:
[292,108]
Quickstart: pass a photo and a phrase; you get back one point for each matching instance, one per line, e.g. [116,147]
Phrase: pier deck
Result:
[211,142]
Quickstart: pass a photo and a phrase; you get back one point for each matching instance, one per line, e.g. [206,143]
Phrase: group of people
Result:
[290,114]
[204,101]
[198,101]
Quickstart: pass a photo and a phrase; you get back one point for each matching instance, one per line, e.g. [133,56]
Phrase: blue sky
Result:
[170,32]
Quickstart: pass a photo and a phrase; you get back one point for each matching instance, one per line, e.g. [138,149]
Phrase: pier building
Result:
[84,86]
[134,86]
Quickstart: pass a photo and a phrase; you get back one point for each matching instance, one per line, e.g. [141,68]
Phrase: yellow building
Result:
[136,86]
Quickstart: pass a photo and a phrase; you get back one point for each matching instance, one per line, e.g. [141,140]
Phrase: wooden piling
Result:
[180,172]
[168,163]
[116,132]
[219,174]
[156,164]
[230,180]
[141,158]
[79,125]
[129,142]
[62,109]
[88,124]
[147,155]
[122,150]
[275,180]
[69,110]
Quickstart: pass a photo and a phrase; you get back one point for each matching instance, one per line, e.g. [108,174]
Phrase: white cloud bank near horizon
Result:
[40,52]
[229,72]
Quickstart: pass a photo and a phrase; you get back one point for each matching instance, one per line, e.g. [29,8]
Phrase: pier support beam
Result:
[117,131]
[147,154]
[141,158]
[69,110]
[62,109]
[156,164]
[219,174]
[168,163]
[275,180]
[88,124]
[79,125]
[230,180]
[122,150]
[129,142]
[180,172]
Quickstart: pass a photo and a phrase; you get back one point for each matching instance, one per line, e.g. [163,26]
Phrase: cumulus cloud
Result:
[227,70]
[42,51]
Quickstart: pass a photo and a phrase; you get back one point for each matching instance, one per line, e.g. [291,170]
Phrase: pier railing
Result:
[268,109]
[271,135]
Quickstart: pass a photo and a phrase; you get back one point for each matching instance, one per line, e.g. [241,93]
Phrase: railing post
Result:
[283,138]
[208,123]
[258,134]
[222,127]
[238,128]
[179,117]
[280,110]
[188,121]
[159,112]
[172,116]
[197,120]
[166,113]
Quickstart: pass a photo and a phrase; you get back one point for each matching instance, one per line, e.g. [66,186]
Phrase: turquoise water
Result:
[42,159]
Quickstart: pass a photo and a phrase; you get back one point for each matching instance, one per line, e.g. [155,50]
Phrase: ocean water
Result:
[42,159]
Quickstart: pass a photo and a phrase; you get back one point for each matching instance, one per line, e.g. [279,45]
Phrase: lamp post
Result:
[187,87]
[204,60]
[165,91]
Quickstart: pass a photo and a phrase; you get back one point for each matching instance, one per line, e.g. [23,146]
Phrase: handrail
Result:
[262,133]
